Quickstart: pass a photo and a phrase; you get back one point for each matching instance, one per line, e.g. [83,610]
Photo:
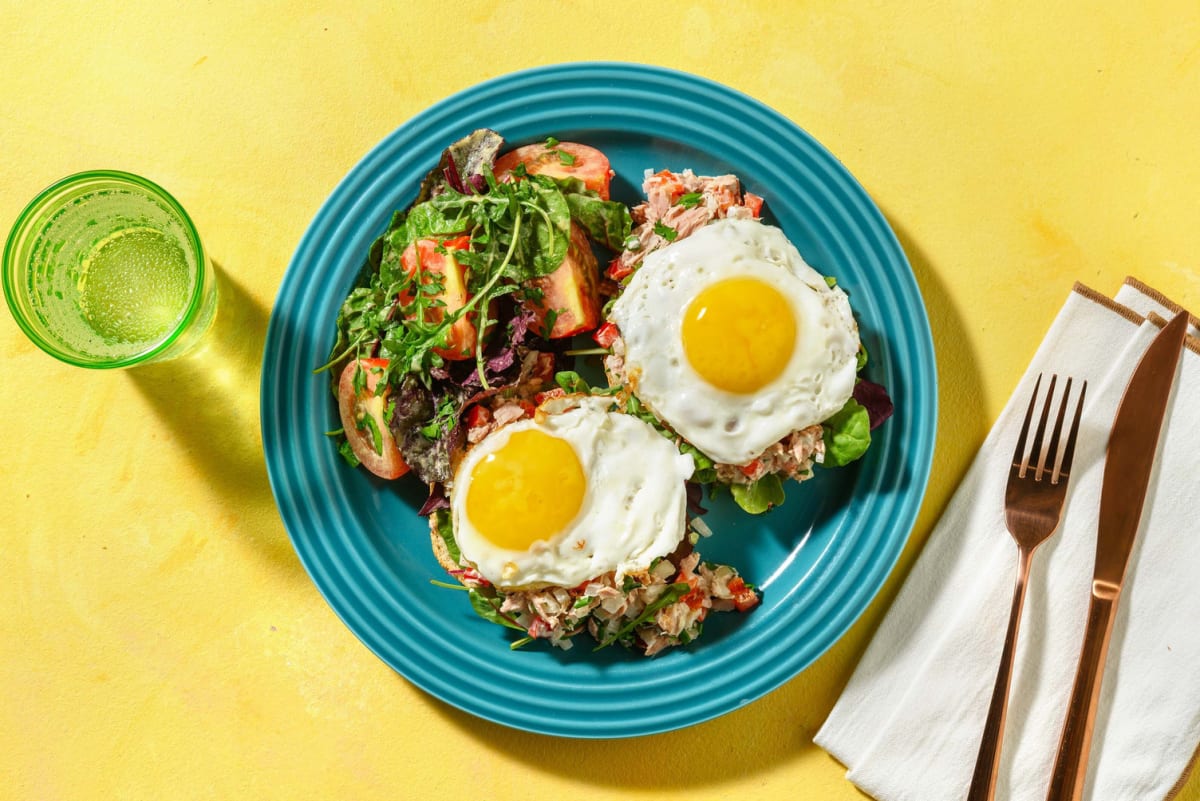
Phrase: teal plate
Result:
[818,559]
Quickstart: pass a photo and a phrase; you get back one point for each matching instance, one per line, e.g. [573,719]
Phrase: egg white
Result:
[634,509]
[729,427]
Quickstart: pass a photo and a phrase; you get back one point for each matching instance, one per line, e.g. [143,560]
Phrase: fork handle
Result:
[1070,766]
[983,782]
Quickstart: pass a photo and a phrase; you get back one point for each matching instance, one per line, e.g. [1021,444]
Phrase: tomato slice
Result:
[561,160]
[364,420]
[572,291]
[426,256]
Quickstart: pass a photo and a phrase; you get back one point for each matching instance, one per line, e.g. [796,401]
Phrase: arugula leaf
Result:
[518,231]
[759,496]
[422,221]
[550,227]
[847,434]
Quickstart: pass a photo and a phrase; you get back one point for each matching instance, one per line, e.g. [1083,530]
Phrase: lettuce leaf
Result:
[847,434]
[759,496]
[606,222]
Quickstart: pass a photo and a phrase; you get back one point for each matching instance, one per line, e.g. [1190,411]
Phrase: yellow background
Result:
[159,638]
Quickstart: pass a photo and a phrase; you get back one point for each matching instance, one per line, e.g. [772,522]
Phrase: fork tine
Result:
[1036,457]
[1069,453]
[1019,454]
[1056,435]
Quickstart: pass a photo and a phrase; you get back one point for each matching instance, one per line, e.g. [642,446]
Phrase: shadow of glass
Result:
[208,398]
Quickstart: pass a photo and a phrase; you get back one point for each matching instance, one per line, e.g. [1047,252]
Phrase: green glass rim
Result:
[120,176]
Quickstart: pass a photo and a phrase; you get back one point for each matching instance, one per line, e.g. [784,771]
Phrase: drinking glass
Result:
[104,269]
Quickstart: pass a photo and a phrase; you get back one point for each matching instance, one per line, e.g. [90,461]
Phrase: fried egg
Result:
[733,340]
[563,498]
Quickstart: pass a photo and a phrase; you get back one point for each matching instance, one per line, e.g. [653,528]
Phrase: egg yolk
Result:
[739,334]
[526,490]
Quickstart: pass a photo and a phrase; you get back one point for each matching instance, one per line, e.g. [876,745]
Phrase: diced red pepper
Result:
[751,468]
[694,598]
[743,597]
[618,269]
[668,182]
[753,202]
[478,416]
[606,334]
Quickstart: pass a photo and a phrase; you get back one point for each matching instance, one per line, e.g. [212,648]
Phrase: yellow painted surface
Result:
[160,639]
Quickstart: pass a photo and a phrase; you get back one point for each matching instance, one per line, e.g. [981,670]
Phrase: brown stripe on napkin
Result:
[1107,302]
[1162,299]
[1190,342]
[1178,786]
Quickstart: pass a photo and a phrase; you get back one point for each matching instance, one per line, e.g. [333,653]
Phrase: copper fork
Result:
[1033,502]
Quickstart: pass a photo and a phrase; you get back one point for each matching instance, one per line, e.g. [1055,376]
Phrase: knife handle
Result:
[1070,767]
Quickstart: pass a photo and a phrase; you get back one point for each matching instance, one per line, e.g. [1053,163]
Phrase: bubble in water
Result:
[134,286]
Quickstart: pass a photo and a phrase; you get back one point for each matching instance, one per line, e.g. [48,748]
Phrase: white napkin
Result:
[909,722]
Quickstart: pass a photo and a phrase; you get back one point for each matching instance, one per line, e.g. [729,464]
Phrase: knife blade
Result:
[1128,462]
[1132,446]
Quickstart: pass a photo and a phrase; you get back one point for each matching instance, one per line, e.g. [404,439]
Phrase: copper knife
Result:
[1132,446]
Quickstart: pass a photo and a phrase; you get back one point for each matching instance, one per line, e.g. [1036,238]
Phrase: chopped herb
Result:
[367,423]
[551,141]
[690,200]
[566,159]
[665,231]
[548,322]
[672,594]
[443,421]
[347,453]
